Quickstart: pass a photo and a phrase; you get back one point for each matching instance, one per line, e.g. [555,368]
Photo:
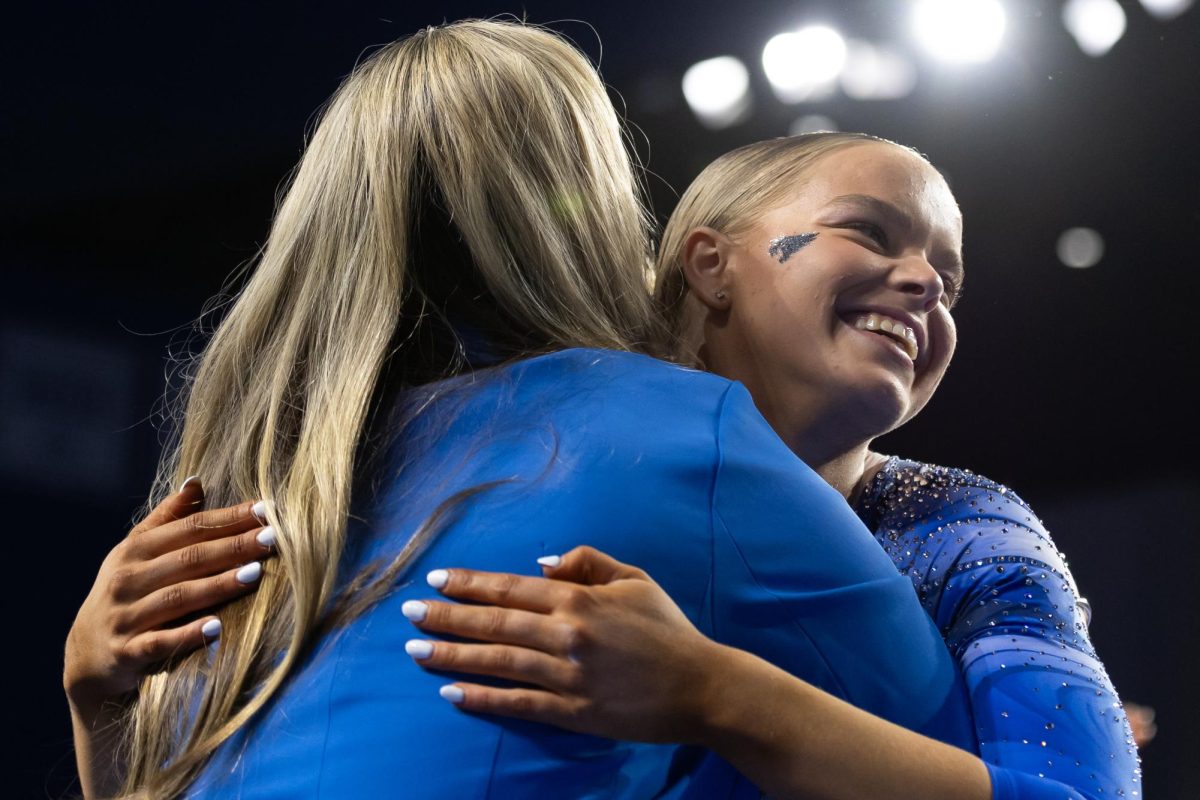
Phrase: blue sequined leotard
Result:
[1048,720]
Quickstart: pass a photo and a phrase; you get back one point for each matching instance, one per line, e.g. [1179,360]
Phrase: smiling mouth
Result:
[895,330]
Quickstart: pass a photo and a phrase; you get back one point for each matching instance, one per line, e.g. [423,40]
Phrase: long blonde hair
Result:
[472,174]
[727,196]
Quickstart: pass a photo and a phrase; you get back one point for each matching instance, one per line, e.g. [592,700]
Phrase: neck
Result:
[830,446]
[843,471]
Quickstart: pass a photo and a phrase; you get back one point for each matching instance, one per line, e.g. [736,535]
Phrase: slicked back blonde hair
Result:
[471,174]
[727,196]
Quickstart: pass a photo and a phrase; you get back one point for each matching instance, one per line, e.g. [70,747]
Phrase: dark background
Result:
[143,147]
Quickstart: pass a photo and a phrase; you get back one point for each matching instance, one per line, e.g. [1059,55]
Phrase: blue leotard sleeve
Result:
[1048,720]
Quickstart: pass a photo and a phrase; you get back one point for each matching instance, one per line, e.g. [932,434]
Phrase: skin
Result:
[177,563]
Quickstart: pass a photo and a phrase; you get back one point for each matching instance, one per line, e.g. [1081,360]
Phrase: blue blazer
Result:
[668,468]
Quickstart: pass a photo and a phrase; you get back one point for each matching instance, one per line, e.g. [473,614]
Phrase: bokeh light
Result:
[960,31]
[811,123]
[876,72]
[1080,248]
[805,64]
[718,91]
[1096,24]
[1166,9]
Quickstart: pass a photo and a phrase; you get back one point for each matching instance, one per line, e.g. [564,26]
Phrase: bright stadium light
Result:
[876,72]
[1080,248]
[1166,9]
[960,31]
[811,123]
[718,91]
[805,64]
[1095,24]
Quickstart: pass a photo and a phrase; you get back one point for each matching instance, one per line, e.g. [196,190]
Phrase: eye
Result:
[952,290]
[871,231]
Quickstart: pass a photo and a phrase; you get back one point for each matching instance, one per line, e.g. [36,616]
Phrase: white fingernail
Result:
[188,480]
[266,537]
[452,693]
[249,573]
[415,610]
[418,648]
[259,510]
[438,578]
[550,561]
[211,629]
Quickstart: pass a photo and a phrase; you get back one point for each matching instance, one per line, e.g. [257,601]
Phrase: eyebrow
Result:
[896,217]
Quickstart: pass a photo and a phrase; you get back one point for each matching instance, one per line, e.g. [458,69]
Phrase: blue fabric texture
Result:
[667,468]
[1049,722]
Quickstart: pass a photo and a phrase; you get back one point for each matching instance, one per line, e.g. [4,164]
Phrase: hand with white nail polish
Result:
[179,562]
[605,649]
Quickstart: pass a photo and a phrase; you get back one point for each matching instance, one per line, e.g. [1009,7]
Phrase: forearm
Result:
[97,735]
[796,741]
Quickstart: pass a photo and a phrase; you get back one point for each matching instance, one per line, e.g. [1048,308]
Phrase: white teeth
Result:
[904,335]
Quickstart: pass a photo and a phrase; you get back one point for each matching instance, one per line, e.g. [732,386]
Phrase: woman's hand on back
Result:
[149,598]
[604,648]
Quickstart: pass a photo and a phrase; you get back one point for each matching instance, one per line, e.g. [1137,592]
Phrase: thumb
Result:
[590,567]
[187,501]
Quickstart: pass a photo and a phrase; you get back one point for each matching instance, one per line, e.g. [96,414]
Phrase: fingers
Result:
[156,646]
[590,567]
[529,704]
[198,527]
[496,660]
[200,560]
[492,624]
[1141,721]
[187,500]
[502,589]
[187,597]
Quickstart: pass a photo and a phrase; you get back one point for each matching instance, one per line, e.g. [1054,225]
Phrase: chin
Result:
[877,409]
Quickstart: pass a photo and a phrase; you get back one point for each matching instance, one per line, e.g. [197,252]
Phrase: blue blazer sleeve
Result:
[800,581]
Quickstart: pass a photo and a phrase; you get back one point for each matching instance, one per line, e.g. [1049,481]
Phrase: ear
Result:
[705,267]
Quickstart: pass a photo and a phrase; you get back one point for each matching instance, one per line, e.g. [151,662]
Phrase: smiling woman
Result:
[874,247]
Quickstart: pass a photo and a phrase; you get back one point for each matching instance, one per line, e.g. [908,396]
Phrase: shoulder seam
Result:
[718,462]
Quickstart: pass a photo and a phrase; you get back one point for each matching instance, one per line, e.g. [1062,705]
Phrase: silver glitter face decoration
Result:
[784,247]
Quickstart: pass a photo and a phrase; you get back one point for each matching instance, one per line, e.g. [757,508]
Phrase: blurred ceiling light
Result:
[961,31]
[1080,247]
[805,64]
[811,123]
[876,72]
[718,91]
[1095,24]
[1166,9]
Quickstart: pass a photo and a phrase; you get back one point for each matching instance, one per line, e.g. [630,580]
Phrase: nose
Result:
[915,277]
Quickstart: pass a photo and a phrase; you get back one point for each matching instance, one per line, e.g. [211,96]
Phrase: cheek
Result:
[943,336]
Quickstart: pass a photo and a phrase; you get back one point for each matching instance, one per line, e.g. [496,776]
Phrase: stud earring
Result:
[721,295]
